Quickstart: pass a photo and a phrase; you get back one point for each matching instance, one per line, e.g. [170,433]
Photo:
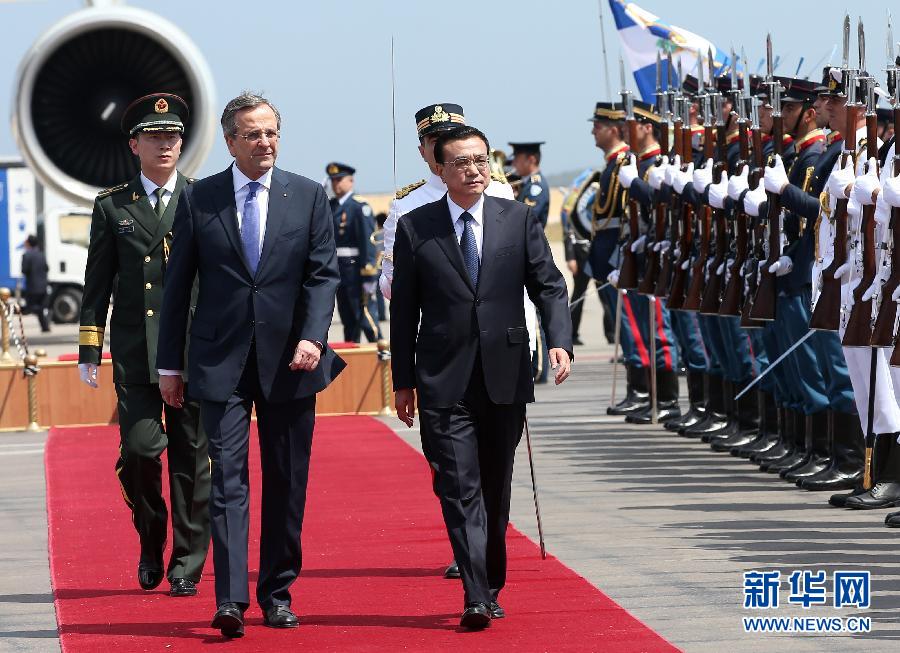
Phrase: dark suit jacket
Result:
[290,298]
[457,320]
[34,269]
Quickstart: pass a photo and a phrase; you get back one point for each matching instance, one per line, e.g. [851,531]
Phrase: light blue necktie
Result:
[250,227]
[469,248]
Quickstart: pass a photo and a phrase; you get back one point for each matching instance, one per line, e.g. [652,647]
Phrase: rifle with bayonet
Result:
[628,271]
[827,313]
[767,293]
[883,333]
[712,295]
[675,102]
[754,227]
[733,299]
[698,269]
[859,326]
[685,216]
[652,270]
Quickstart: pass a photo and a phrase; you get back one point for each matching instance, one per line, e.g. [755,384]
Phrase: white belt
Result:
[343,252]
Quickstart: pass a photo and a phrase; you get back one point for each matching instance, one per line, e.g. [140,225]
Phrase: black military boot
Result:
[791,438]
[732,425]
[667,403]
[817,442]
[880,453]
[847,451]
[783,441]
[748,411]
[767,436]
[885,492]
[697,385]
[637,392]
[716,417]
[799,453]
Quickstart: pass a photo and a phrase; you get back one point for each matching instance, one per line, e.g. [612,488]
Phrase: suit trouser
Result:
[39,304]
[471,448]
[139,469]
[285,442]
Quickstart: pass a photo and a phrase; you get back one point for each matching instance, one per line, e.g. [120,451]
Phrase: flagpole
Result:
[603,42]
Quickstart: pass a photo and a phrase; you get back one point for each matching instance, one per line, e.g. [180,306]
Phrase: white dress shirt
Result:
[477,213]
[241,190]
[150,189]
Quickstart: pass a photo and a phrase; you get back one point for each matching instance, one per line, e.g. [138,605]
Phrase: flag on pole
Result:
[644,34]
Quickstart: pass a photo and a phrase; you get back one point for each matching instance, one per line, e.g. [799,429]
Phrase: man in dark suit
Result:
[34,269]
[262,242]
[459,341]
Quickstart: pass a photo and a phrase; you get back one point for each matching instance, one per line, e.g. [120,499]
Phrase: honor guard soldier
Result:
[534,191]
[130,240]
[354,224]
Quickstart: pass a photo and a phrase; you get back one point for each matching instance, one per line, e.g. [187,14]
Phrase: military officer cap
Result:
[646,112]
[690,86]
[439,117]
[797,90]
[885,114]
[526,148]
[336,170]
[833,83]
[608,111]
[157,112]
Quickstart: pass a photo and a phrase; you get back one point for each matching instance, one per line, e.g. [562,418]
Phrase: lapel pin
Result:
[134,197]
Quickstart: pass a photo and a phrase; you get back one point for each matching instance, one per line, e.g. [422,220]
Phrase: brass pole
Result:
[384,358]
[31,362]
[5,357]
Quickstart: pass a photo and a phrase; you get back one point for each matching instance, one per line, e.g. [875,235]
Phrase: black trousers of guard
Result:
[471,448]
[139,469]
[285,442]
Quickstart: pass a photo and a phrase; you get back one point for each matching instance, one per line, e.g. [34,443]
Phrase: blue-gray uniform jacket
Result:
[642,193]
[354,224]
[536,193]
[608,215]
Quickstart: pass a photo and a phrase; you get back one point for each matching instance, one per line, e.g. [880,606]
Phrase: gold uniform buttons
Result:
[148,286]
[149,312]
[146,259]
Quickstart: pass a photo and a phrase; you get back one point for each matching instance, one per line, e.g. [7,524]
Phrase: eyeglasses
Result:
[256,136]
[462,163]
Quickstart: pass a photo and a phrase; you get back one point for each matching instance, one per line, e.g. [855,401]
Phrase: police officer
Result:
[354,224]
[130,239]
[534,191]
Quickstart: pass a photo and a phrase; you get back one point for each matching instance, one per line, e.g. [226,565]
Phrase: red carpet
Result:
[374,549]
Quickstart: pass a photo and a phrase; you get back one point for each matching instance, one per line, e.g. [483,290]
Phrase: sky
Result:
[529,70]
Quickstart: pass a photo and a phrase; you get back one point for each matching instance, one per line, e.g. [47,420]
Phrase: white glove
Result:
[840,179]
[871,291]
[867,184]
[776,178]
[676,253]
[628,172]
[672,170]
[682,179]
[88,373]
[782,266]
[703,176]
[718,193]
[686,265]
[891,191]
[753,199]
[638,246]
[613,278]
[720,269]
[895,296]
[657,175]
[738,183]
[841,271]
[882,210]
[662,246]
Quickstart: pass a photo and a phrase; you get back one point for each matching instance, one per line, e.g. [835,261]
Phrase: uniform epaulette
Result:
[406,190]
[496,176]
[189,180]
[109,191]
[360,199]
[535,179]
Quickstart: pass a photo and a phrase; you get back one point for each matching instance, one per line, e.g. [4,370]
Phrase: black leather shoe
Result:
[475,617]
[882,495]
[498,613]
[452,570]
[840,500]
[183,587]
[892,520]
[280,616]
[149,576]
[229,619]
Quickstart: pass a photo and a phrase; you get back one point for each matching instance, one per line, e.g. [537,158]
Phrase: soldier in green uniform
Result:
[130,237]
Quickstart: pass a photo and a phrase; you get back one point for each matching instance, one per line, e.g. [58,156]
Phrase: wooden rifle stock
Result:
[766,297]
[628,271]
[733,299]
[698,269]
[859,326]
[679,274]
[667,263]
[827,313]
[712,295]
[883,333]
[755,239]
[652,269]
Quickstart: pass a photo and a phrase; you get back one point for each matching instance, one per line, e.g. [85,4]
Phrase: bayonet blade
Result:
[622,73]
[770,62]
[712,67]
[680,78]
[861,35]
[670,71]
[889,49]
[734,78]
[846,52]
[700,86]
[658,72]
[746,74]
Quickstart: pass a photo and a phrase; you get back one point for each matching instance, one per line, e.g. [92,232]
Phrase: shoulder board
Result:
[535,179]
[406,190]
[360,199]
[109,191]
[498,177]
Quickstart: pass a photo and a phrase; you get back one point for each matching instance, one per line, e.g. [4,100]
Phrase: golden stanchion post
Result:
[5,357]
[384,358]
[31,362]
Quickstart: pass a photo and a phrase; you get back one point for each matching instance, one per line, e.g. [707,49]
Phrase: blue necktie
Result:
[469,247]
[250,226]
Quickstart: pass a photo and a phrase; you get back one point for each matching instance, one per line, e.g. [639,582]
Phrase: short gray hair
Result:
[246,100]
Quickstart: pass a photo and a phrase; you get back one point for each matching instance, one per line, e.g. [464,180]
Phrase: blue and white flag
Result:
[643,35]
